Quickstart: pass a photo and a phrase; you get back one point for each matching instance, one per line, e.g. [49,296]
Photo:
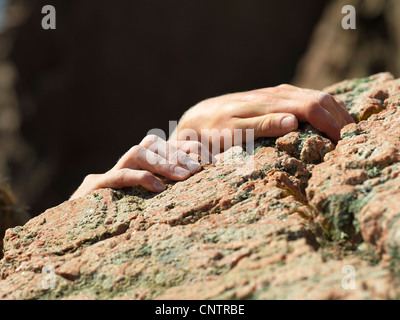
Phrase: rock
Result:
[355,189]
[306,145]
[284,223]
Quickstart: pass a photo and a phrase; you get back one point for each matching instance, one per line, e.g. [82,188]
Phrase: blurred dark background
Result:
[74,99]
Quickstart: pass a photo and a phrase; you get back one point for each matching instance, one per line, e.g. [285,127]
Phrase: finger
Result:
[170,152]
[128,160]
[330,104]
[118,179]
[197,148]
[139,157]
[289,99]
[157,145]
[324,121]
[305,106]
[306,102]
[348,117]
[183,159]
[270,125]
[293,98]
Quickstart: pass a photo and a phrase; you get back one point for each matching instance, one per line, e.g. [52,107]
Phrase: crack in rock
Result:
[279,224]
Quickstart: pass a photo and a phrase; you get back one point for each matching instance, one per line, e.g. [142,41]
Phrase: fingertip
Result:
[336,136]
[193,166]
[181,173]
[150,182]
[159,186]
[289,123]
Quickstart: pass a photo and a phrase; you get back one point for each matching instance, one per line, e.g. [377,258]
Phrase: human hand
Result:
[152,156]
[270,112]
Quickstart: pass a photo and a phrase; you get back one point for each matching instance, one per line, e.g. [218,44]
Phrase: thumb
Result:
[270,125]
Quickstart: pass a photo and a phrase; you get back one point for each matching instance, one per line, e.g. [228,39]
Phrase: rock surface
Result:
[286,223]
[10,214]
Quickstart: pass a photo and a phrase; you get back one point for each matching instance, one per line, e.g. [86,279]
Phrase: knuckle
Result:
[172,169]
[121,177]
[89,178]
[149,140]
[137,151]
[166,169]
[250,96]
[145,176]
[192,147]
[122,174]
[284,86]
[152,158]
[325,98]
[266,124]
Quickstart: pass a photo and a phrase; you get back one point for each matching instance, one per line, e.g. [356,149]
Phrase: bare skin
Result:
[137,167]
[270,112]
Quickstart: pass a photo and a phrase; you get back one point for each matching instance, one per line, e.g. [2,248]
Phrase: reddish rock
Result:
[355,189]
[280,224]
[306,145]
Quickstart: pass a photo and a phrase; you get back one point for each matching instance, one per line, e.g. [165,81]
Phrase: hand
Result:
[270,112]
[152,156]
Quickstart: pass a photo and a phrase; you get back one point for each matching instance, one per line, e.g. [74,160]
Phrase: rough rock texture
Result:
[281,224]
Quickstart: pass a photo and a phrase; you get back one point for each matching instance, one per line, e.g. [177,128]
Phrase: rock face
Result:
[300,219]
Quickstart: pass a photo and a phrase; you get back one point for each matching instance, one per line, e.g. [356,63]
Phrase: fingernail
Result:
[159,186]
[288,123]
[193,166]
[180,172]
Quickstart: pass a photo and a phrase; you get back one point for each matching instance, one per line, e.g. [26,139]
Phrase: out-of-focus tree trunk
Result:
[335,54]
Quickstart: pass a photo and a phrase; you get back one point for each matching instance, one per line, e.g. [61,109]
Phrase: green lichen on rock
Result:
[279,223]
